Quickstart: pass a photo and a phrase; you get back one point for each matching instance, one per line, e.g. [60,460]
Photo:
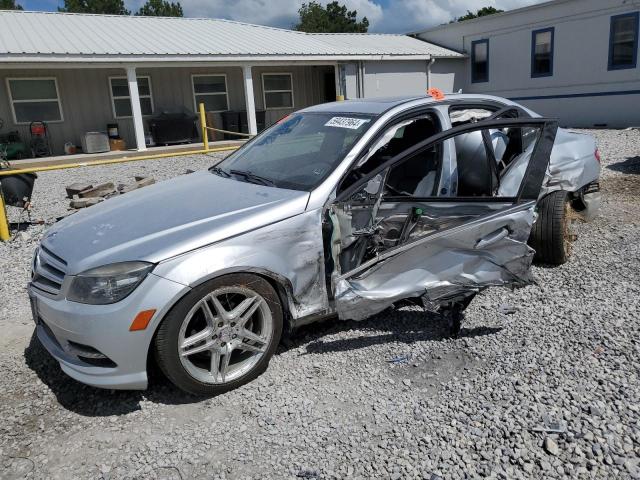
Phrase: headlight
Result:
[109,283]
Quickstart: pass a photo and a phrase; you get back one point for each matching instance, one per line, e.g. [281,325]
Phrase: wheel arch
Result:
[280,284]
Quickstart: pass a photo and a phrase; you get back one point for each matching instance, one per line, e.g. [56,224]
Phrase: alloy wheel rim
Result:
[225,334]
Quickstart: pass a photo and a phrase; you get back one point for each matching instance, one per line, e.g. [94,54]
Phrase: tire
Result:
[208,347]
[551,237]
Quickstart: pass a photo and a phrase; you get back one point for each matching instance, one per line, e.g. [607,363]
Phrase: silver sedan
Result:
[340,209]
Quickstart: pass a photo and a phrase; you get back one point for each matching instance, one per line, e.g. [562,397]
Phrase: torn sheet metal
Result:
[290,251]
[459,116]
[573,164]
[444,266]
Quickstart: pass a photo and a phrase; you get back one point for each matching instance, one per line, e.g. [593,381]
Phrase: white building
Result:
[79,73]
[576,60]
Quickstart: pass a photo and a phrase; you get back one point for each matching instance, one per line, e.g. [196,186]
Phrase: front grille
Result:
[48,271]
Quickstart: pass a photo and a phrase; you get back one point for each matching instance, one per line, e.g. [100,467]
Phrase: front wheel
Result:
[552,235]
[221,335]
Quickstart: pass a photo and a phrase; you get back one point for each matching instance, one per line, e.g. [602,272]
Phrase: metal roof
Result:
[26,36]
[374,44]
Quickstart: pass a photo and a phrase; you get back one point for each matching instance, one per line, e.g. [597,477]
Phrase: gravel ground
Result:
[332,405]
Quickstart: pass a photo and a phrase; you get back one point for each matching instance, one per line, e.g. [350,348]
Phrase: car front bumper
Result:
[93,343]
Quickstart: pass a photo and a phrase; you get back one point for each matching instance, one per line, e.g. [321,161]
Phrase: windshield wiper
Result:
[219,171]
[253,178]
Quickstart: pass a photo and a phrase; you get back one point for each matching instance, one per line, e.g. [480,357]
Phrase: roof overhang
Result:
[106,61]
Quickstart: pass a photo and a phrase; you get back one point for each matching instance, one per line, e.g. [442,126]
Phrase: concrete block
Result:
[85,202]
[101,190]
[145,181]
[76,188]
[123,188]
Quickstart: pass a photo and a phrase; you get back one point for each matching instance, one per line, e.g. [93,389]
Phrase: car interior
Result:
[491,165]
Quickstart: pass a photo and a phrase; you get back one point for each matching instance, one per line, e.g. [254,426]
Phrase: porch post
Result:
[249,100]
[136,110]
[338,79]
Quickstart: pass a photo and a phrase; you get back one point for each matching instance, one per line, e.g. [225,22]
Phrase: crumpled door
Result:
[475,242]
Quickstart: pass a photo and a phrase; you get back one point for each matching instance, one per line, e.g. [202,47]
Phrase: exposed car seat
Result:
[500,141]
[512,177]
[417,175]
[426,186]
[476,176]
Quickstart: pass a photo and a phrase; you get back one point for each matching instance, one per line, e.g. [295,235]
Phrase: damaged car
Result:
[340,209]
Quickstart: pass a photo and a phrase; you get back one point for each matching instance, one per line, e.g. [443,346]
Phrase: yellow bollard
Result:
[4,223]
[203,126]
[339,98]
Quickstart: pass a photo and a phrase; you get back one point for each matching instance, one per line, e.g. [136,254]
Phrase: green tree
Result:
[483,12]
[110,7]
[334,18]
[161,8]
[9,5]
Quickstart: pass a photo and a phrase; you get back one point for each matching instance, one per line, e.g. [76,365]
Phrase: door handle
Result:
[492,238]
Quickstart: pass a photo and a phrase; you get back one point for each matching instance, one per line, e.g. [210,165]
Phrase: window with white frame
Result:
[34,99]
[210,90]
[121,100]
[277,89]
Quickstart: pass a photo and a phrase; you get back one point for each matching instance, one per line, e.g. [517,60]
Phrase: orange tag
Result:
[436,93]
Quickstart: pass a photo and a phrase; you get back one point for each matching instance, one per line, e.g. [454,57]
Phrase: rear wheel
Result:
[552,235]
[221,335]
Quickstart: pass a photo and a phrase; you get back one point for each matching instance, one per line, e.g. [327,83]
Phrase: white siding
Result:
[448,74]
[351,72]
[580,63]
[385,79]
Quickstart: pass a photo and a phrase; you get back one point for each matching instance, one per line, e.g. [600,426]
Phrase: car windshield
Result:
[298,152]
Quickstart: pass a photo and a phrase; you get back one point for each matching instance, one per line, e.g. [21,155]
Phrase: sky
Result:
[385,16]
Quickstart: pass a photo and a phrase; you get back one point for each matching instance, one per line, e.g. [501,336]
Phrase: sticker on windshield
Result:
[346,122]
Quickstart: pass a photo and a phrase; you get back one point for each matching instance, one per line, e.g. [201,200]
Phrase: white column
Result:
[429,64]
[338,80]
[249,100]
[136,110]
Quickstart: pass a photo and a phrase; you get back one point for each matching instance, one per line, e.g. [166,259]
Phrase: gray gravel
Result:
[389,397]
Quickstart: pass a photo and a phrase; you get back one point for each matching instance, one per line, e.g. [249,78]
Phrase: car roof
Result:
[377,106]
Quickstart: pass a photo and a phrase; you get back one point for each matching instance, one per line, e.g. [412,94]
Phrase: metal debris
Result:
[550,425]
[399,359]
[507,309]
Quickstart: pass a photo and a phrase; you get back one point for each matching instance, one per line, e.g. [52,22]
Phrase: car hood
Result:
[167,219]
